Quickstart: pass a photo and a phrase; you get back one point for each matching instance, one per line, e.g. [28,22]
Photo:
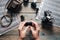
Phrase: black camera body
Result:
[47,22]
[28,24]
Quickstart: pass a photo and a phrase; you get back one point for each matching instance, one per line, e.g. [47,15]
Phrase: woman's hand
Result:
[35,32]
[22,30]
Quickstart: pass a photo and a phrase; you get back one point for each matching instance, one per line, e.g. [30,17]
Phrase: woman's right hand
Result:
[35,32]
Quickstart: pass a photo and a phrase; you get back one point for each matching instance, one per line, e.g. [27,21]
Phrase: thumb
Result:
[32,29]
[26,29]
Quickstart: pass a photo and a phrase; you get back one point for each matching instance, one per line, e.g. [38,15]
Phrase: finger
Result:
[21,25]
[26,29]
[38,29]
[36,24]
[32,29]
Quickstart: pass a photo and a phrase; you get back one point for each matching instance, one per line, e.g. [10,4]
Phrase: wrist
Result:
[37,38]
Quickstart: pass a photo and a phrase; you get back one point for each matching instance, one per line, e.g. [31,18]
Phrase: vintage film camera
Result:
[47,21]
